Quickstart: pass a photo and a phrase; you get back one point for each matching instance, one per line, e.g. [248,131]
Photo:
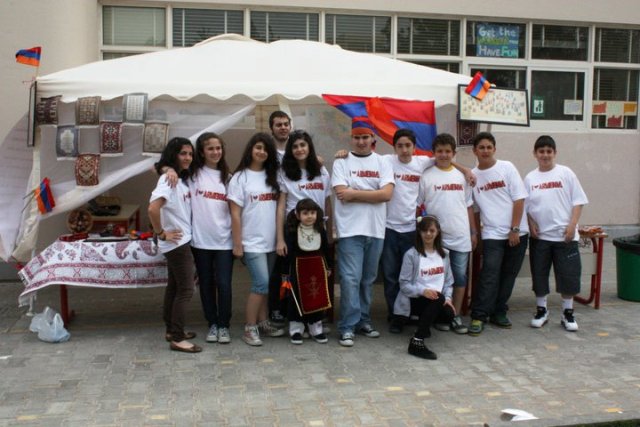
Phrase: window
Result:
[559,42]
[359,33]
[504,78]
[615,85]
[495,40]
[557,95]
[428,36]
[272,26]
[617,45]
[133,26]
[452,67]
[191,26]
[115,55]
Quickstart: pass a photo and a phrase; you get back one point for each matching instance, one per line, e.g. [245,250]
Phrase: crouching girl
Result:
[425,285]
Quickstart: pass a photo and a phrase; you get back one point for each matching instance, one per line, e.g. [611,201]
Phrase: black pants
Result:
[430,311]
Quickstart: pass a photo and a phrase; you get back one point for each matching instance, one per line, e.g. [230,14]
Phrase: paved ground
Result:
[117,369]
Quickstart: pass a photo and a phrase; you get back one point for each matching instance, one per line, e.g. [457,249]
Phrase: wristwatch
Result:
[515,230]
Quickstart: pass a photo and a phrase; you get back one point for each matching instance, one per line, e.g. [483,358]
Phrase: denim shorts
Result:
[459,267]
[567,266]
[260,266]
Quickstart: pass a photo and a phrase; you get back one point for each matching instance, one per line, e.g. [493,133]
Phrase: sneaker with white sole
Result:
[296,338]
[541,317]
[269,330]
[277,319]
[368,331]
[212,335]
[252,335]
[321,338]
[224,336]
[459,327]
[568,321]
[346,339]
[442,327]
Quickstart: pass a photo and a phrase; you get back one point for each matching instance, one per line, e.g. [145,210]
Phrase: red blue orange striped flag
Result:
[44,197]
[478,87]
[387,115]
[29,56]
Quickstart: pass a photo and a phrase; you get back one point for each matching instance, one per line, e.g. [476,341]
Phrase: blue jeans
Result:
[214,269]
[260,266]
[459,267]
[500,266]
[394,248]
[358,258]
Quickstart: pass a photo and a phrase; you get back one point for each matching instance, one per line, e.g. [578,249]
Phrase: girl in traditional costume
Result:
[307,268]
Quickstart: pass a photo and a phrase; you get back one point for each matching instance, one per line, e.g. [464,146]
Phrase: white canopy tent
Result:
[214,85]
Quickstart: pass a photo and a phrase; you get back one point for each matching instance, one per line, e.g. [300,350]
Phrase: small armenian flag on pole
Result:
[44,197]
[29,56]
[478,87]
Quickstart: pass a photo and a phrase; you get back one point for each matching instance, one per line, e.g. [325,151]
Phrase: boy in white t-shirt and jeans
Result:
[444,192]
[499,194]
[553,209]
[362,183]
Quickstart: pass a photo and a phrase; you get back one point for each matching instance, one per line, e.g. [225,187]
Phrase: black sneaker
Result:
[541,317]
[396,326]
[368,331]
[320,338]
[418,349]
[296,338]
[568,321]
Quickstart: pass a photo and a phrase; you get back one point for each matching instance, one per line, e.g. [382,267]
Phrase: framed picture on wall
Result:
[500,106]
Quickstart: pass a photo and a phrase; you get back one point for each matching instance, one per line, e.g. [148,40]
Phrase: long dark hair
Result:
[199,159]
[423,225]
[169,157]
[290,165]
[305,205]
[270,165]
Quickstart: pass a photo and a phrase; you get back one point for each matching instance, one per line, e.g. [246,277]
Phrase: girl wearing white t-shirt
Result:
[170,216]
[426,284]
[253,196]
[211,243]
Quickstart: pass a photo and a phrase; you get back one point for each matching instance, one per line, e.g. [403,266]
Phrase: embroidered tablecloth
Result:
[126,264]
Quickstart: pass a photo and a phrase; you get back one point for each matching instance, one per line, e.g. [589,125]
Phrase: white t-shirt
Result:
[495,191]
[361,173]
[258,201]
[433,273]
[552,196]
[401,209]
[211,222]
[176,212]
[318,189]
[446,195]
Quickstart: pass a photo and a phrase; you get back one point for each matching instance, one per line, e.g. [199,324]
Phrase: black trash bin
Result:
[628,267]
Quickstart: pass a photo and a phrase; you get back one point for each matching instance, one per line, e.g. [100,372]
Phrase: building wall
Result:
[67,32]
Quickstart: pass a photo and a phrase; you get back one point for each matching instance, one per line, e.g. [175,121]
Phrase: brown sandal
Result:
[187,336]
[193,349]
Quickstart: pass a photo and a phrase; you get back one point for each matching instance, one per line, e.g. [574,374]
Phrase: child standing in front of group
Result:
[306,265]
[426,284]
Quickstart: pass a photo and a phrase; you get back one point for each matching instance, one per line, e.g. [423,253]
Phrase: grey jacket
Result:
[409,278]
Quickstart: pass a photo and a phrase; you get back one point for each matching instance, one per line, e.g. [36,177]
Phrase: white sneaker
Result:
[212,335]
[346,339]
[541,317]
[251,335]
[568,320]
[224,336]
[269,330]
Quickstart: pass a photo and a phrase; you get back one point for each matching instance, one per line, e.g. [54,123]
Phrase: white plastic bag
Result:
[49,326]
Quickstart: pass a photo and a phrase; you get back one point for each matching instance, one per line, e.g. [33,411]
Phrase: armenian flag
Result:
[387,115]
[478,87]
[44,197]
[29,56]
